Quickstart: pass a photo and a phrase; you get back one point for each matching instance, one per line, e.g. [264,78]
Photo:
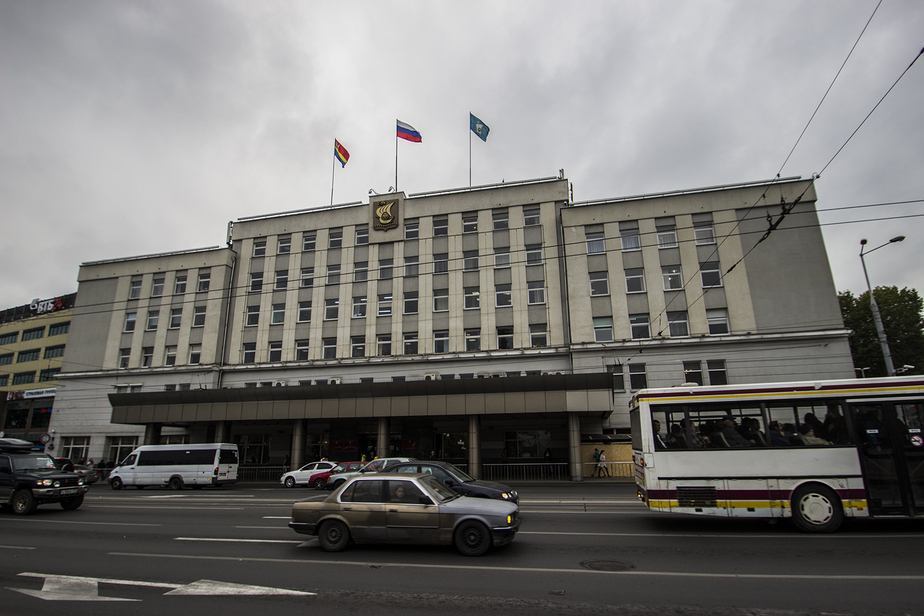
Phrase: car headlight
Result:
[506,496]
[43,482]
[80,481]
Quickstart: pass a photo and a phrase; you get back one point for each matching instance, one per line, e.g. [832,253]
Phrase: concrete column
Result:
[474,447]
[223,432]
[152,433]
[574,447]
[382,443]
[297,457]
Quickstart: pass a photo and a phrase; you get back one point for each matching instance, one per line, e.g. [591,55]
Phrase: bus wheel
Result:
[816,509]
[176,483]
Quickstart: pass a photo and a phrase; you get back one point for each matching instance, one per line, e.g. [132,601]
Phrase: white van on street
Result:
[176,466]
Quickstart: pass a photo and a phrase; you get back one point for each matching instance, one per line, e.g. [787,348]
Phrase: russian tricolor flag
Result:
[408,132]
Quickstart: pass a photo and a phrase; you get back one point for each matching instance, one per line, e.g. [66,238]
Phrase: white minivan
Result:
[176,466]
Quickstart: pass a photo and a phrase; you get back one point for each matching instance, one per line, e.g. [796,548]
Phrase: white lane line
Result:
[79,522]
[15,547]
[277,517]
[635,573]
[227,540]
[720,536]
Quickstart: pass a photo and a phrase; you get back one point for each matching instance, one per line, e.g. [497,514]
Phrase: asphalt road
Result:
[588,548]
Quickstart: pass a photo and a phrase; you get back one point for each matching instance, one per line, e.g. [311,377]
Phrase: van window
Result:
[228,456]
[130,460]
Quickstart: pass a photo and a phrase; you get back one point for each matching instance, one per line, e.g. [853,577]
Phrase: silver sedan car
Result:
[405,508]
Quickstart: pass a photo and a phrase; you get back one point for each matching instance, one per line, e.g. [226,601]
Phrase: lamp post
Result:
[880,331]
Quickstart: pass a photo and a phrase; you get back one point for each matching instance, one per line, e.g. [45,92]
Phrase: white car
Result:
[305,475]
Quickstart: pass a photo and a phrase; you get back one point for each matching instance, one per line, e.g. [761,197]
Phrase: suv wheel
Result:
[23,502]
[72,503]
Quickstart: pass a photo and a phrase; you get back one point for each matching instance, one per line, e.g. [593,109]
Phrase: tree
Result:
[902,315]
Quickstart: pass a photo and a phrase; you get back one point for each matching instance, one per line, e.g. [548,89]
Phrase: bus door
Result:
[891,448]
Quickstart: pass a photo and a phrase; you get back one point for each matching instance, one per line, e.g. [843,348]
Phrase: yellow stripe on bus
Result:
[784,394]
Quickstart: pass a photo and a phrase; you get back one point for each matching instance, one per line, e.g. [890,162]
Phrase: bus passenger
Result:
[732,436]
[777,438]
[656,429]
[808,436]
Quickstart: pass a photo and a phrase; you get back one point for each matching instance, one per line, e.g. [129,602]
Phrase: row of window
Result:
[24,378]
[692,373]
[153,319]
[630,239]
[34,333]
[32,355]
[170,354]
[678,325]
[179,285]
[671,277]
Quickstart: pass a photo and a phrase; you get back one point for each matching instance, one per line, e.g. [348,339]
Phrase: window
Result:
[441,341]
[410,343]
[309,241]
[717,320]
[704,233]
[630,240]
[619,378]
[441,263]
[383,344]
[278,316]
[253,315]
[410,302]
[440,300]
[473,340]
[179,286]
[411,229]
[599,284]
[59,329]
[411,266]
[147,357]
[535,292]
[538,335]
[284,245]
[595,242]
[301,350]
[717,373]
[440,226]
[75,447]
[198,316]
[693,372]
[275,351]
[29,355]
[124,356]
[170,356]
[259,247]
[51,374]
[256,282]
[470,222]
[23,378]
[386,267]
[638,378]
[153,318]
[679,324]
[359,307]
[304,312]
[531,216]
[501,219]
[335,239]
[307,277]
[50,353]
[503,298]
[204,281]
[134,290]
[282,280]
[333,274]
[711,274]
[9,338]
[360,271]
[504,338]
[4,380]
[331,309]
[635,280]
[639,325]
[362,235]
[158,288]
[501,258]
[384,305]
[358,346]
[195,353]
[176,317]
[672,276]
[8,358]
[534,254]
[329,348]
[472,298]
[250,352]
[470,261]
[667,237]
[130,322]
[603,329]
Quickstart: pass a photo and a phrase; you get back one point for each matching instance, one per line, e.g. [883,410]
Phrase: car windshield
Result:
[437,489]
[459,474]
[33,463]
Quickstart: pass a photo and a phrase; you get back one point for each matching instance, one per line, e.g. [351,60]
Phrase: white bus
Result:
[176,466]
[813,451]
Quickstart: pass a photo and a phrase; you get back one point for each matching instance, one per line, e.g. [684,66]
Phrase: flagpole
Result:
[396,161]
[469,158]
[333,169]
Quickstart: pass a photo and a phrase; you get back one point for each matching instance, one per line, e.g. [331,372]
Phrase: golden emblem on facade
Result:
[385,216]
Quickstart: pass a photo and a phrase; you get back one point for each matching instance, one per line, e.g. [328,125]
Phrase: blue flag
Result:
[478,127]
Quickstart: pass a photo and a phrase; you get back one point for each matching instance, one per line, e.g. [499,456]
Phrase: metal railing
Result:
[260,474]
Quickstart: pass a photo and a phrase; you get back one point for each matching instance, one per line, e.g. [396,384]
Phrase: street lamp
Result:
[880,331]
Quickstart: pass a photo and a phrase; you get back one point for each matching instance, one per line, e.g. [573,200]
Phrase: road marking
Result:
[76,588]
[636,573]
[15,547]
[277,517]
[38,521]
[227,540]
[718,536]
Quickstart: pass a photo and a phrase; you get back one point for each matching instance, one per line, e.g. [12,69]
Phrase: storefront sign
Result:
[31,393]
[47,305]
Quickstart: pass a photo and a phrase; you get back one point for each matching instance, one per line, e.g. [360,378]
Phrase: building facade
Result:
[483,324]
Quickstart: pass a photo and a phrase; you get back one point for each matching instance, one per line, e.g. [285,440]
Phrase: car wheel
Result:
[816,509]
[24,503]
[175,483]
[318,483]
[290,482]
[72,503]
[338,483]
[333,536]
[472,538]
[116,483]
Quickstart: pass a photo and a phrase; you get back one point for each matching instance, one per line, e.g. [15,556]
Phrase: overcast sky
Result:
[130,128]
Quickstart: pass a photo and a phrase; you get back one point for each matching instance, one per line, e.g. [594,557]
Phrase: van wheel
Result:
[116,483]
[472,539]
[333,536]
[175,483]
[24,503]
[72,503]
[816,509]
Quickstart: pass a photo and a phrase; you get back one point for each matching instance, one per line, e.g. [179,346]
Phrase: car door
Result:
[362,504]
[411,515]
[303,475]
[6,478]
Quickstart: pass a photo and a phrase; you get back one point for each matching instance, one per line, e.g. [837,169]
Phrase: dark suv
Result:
[29,479]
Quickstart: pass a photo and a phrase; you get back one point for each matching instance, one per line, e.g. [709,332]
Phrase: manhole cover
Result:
[607,565]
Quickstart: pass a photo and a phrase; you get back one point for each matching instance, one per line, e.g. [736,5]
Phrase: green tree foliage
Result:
[902,314]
